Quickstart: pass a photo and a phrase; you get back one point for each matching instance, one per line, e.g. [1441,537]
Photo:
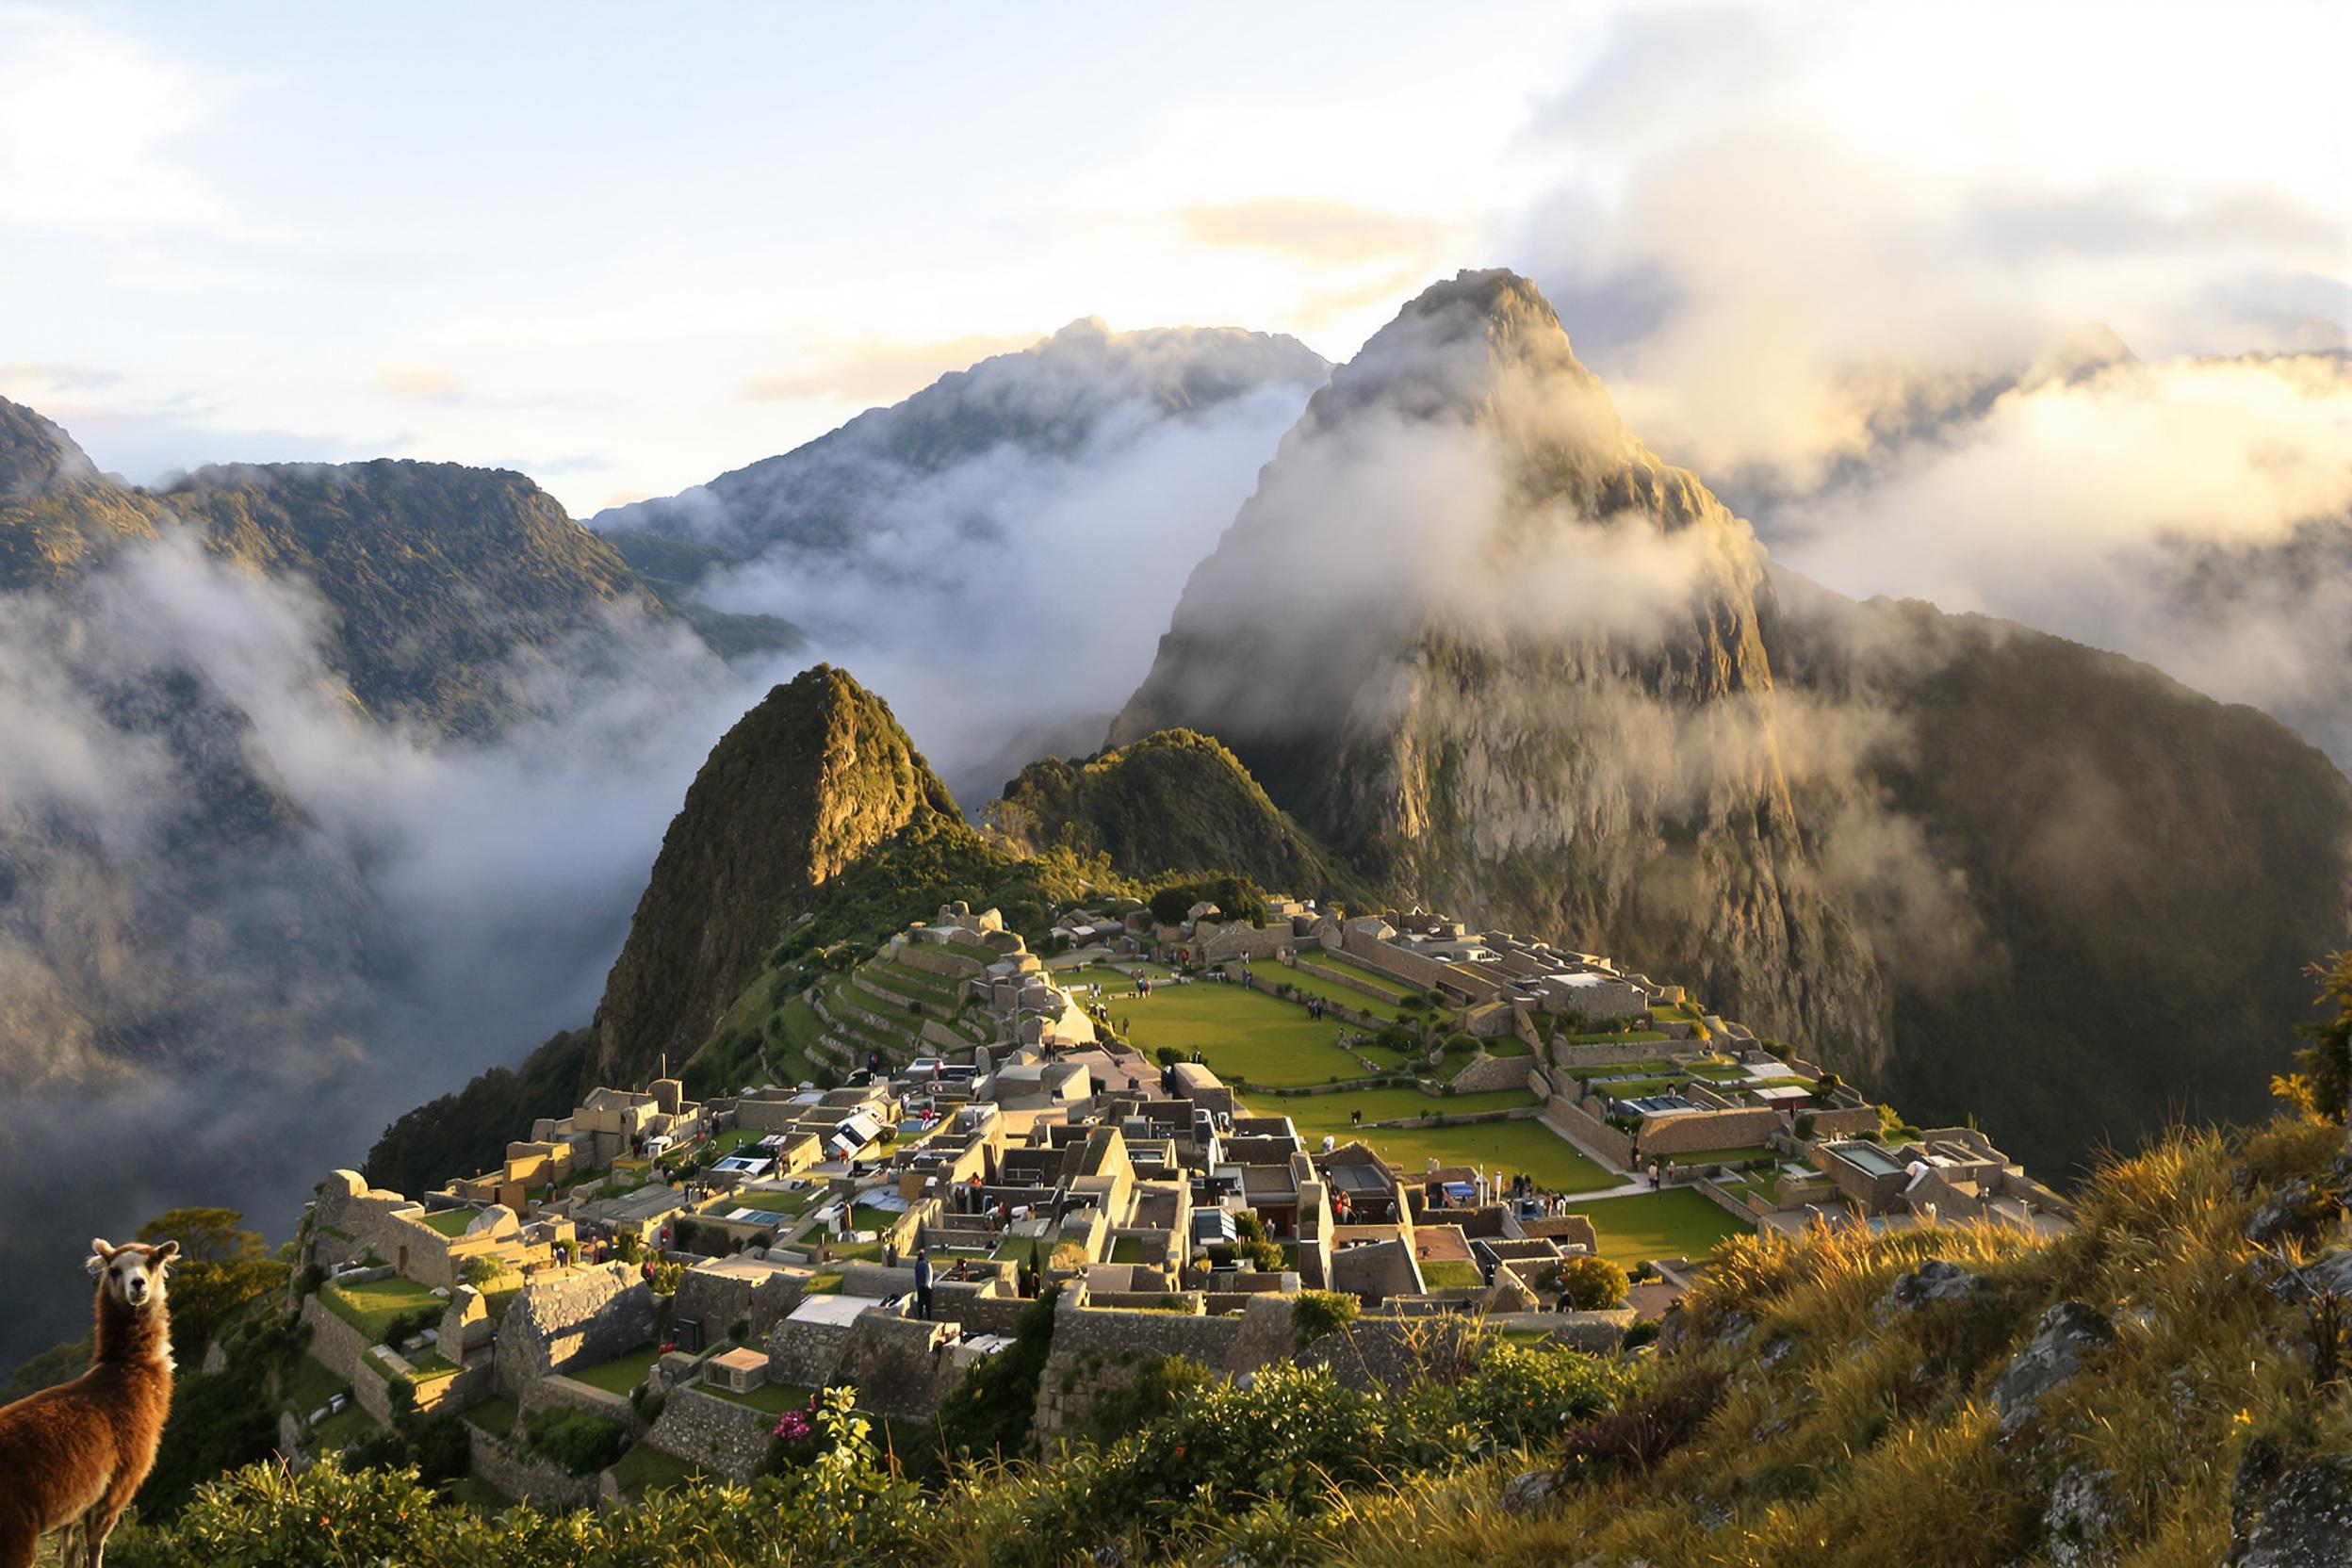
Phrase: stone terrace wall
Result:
[718,1434]
[503,1466]
[1097,1351]
[1596,1134]
[1492,1073]
[336,1345]
[559,1390]
[900,1367]
[938,960]
[1394,962]
[1698,1131]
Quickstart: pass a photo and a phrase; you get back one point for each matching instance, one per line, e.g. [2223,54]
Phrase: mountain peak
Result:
[807,782]
[1484,347]
[37,456]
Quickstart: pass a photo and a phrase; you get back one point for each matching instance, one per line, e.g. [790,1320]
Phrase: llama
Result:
[71,1457]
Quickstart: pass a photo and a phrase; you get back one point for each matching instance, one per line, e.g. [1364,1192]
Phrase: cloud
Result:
[875,370]
[2193,514]
[420,383]
[1323,233]
[89,120]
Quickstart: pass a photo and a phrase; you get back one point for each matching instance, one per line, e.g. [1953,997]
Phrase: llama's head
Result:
[132,1274]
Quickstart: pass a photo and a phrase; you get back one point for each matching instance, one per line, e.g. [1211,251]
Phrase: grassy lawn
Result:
[1725,1156]
[1315,1115]
[1509,1045]
[372,1307]
[1504,1147]
[775,1398]
[494,1416]
[1676,1223]
[1341,963]
[310,1386]
[644,1467]
[978,952]
[1245,1036]
[450,1223]
[620,1374]
[1630,1037]
[794,1203]
[1124,1250]
[348,1426]
[1451,1274]
[1306,980]
[921,984]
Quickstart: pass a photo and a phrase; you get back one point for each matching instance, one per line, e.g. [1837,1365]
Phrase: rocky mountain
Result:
[1488,648]
[1051,400]
[1175,801]
[808,781]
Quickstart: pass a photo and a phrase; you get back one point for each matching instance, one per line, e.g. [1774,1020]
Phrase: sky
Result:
[624,251]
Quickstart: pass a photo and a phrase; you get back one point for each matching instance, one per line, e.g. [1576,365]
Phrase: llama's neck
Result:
[126,1336]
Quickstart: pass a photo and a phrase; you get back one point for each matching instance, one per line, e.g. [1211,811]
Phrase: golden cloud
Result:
[1327,232]
[876,370]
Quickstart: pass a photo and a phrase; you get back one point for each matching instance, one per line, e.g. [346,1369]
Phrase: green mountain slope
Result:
[801,787]
[1176,801]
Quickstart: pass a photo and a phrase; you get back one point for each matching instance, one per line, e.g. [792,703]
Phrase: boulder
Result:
[2289,1514]
[2066,1332]
[1934,1280]
[2081,1517]
[1530,1492]
[2293,1211]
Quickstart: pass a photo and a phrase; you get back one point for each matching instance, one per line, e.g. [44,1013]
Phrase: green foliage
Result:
[1316,1313]
[1235,897]
[1592,1284]
[989,1414]
[1160,1383]
[2327,1060]
[579,1441]
[468,1131]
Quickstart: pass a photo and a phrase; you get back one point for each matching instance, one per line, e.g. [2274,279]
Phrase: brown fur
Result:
[71,1456]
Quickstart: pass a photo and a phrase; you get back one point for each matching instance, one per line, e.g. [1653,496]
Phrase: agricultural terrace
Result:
[1505,1148]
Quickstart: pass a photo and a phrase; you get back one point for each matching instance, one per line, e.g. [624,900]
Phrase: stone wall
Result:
[504,1467]
[1574,1059]
[718,1302]
[1257,943]
[575,1394]
[1411,967]
[938,960]
[1096,1351]
[580,1318]
[1371,994]
[804,1353]
[900,1367]
[1269,979]
[1850,1122]
[1491,1072]
[1698,1131]
[336,1343]
[718,1434]
[1595,1135]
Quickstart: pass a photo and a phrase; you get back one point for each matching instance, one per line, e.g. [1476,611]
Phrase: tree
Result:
[2327,1060]
[205,1235]
[221,1270]
[1591,1283]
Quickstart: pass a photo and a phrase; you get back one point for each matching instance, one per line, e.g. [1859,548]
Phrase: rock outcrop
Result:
[807,782]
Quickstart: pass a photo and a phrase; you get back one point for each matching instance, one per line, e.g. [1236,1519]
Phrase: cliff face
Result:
[1504,661]
[803,785]
[1508,663]
[1173,801]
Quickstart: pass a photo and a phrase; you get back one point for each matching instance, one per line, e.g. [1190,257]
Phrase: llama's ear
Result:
[96,1262]
[168,1251]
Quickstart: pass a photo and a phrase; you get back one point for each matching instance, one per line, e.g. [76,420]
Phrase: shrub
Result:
[1169,1056]
[1317,1313]
[1647,1427]
[578,1440]
[1592,1284]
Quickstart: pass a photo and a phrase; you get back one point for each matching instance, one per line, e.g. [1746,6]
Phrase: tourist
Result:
[923,1285]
